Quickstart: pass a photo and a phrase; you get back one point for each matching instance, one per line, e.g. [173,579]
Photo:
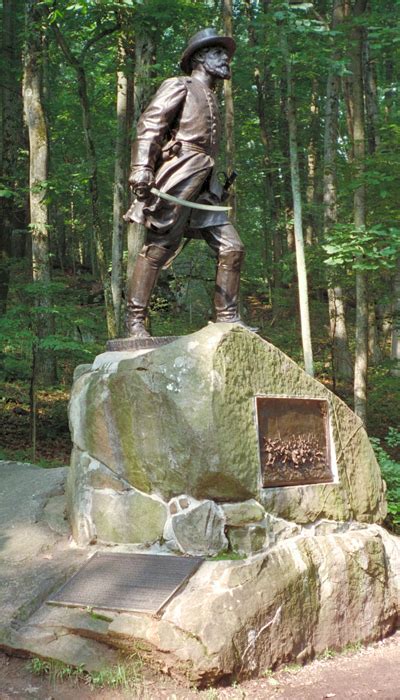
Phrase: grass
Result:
[352,648]
[210,694]
[125,675]
[328,654]
[55,670]
[227,556]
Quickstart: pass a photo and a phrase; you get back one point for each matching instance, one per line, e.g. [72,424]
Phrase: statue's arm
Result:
[152,129]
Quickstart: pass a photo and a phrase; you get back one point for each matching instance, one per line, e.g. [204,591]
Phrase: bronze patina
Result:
[174,154]
[294,441]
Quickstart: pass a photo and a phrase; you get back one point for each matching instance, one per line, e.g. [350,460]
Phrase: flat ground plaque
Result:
[294,441]
[126,582]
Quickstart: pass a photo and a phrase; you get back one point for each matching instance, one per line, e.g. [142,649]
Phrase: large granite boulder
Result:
[180,419]
[309,594]
[315,587]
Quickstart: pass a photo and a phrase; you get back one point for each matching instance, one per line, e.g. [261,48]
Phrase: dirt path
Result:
[372,672]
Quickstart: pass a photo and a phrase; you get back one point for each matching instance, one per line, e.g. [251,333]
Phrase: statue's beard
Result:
[218,70]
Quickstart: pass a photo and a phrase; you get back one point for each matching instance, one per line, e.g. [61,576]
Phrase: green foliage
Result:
[25,455]
[76,328]
[211,694]
[328,654]
[6,193]
[391,473]
[125,675]
[376,248]
[183,299]
[55,670]
[228,556]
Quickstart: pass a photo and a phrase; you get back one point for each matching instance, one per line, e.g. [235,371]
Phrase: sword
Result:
[186,203]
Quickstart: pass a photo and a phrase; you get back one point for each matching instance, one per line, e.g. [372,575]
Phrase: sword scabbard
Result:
[186,203]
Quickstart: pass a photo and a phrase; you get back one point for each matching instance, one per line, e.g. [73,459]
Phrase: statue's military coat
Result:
[178,137]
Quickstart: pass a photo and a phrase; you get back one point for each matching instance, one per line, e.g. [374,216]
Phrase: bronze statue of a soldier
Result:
[174,152]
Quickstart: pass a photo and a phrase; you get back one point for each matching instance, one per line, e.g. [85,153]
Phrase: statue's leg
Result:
[147,268]
[227,284]
[163,240]
[226,243]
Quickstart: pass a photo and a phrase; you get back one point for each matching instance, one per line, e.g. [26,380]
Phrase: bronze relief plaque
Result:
[294,441]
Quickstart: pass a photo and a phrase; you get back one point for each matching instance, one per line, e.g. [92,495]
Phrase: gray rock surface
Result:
[247,539]
[105,507]
[305,595]
[237,514]
[130,516]
[181,419]
[278,529]
[35,555]
[325,586]
[195,527]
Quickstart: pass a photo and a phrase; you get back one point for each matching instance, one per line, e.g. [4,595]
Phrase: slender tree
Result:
[78,64]
[395,344]
[359,209]
[264,97]
[144,59]
[11,136]
[229,109]
[38,180]
[342,363]
[297,208]
[120,179]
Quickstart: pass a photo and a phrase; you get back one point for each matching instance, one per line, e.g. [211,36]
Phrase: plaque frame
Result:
[303,475]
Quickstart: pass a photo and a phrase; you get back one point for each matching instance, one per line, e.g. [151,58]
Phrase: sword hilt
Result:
[230,179]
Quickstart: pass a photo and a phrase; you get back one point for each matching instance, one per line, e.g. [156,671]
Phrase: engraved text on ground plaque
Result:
[126,582]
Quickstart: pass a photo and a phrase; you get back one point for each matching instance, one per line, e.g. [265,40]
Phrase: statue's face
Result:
[216,62]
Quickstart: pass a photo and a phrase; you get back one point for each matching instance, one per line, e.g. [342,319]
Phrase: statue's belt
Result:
[186,203]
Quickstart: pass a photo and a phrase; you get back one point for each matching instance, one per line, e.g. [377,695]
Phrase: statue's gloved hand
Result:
[141,181]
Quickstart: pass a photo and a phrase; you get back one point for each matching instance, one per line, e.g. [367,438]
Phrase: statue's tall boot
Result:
[227,284]
[147,268]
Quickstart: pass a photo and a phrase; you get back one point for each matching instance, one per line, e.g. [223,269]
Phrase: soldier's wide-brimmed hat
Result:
[204,38]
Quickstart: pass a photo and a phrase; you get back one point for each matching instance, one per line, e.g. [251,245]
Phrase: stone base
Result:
[321,586]
[164,438]
[139,343]
[236,619]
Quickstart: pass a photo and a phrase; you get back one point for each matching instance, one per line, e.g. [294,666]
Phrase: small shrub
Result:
[391,474]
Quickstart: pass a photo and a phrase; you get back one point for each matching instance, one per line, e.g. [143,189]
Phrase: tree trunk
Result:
[229,110]
[395,353]
[38,177]
[11,137]
[297,209]
[359,209]
[101,258]
[120,180]
[312,162]
[263,85]
[341,358]
[144,59]
[374,350]
[371,100]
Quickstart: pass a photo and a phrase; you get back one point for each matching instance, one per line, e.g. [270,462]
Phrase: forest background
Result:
[312,127]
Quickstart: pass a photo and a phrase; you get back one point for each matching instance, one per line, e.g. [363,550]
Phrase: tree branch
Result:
[105,32]
[60,39]
[74,61]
